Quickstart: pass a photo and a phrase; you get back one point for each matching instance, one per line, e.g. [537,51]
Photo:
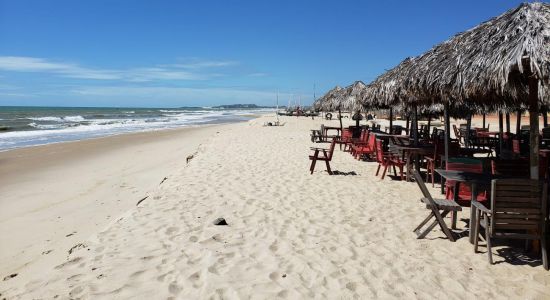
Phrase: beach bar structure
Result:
[503,63]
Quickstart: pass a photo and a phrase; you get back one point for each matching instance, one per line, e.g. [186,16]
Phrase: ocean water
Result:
[31,126]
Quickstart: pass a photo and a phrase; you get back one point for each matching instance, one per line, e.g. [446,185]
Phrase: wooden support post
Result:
[533,127]
[500,133]
[429,123]
[483,120]
[518,122]
[447,123]
[407,124]
[415,126]
[415,137]
[340,118]
[468,129]
[508,122]
[391,120]
[533,118]
[545,118]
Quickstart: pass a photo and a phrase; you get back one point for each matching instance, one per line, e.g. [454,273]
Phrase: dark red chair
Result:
[326,157]
[368,148]
[386,160]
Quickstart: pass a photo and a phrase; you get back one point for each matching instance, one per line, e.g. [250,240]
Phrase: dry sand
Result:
[290,234]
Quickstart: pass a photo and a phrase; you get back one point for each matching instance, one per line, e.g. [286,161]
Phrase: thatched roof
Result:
[387,89]
[327,102]
[349,97]
[484,65]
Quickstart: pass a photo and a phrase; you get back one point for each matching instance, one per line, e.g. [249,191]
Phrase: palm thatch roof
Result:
[487,65]
[349,97]
[327,102]
[387,88]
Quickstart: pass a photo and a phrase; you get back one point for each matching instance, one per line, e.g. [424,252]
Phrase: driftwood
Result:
[141,200]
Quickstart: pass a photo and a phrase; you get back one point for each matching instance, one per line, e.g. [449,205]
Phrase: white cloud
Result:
[64,69]
[195,64]
[181,95]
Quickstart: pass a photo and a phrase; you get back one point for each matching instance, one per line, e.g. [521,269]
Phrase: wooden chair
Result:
[327,156]
[432,162]
[518,211]
[458,134]
[368,148]
[439,209]
[386,160]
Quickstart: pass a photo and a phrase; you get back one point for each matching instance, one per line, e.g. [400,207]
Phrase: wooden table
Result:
[472,179]
[412,151]
[327,128]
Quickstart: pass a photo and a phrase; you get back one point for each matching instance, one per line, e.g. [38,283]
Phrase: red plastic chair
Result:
[386,159]
[346,138]
[368,148]
[464,192]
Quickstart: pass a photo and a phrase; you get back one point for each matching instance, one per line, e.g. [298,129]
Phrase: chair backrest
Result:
[346,134]
[379,151]
[518,204]
[372,142]
[518,168]
[331,149]
[364,136]
[396,129]
[516,147]
[466,165]
[457,132]
[422,186]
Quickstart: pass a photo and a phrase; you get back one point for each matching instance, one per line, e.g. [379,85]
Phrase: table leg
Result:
[454,215]
[473,213]
[408,166]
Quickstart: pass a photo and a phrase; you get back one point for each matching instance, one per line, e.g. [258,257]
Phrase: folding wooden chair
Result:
[439,209]
[518,211]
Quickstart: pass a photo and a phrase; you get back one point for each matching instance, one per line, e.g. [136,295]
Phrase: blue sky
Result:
[200,53]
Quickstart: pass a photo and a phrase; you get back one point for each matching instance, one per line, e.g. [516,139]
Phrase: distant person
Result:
[369,117]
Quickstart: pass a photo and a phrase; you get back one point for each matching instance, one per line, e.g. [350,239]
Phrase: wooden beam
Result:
[518,122]
[500,133]
[508,122]
[408,123]
[468,129]
[429,123]
[447,123]
[545,117]
[533,118]
[391,120]
[415,137]
[534,127]
[415,125]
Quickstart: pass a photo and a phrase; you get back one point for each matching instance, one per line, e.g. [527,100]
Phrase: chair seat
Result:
[443,204]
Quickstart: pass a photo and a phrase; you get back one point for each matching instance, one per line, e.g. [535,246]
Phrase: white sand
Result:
[290,234]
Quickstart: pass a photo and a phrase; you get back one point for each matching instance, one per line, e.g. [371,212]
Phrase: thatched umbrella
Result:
[350,96]
[489,63]
[504,62]
[328,102]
